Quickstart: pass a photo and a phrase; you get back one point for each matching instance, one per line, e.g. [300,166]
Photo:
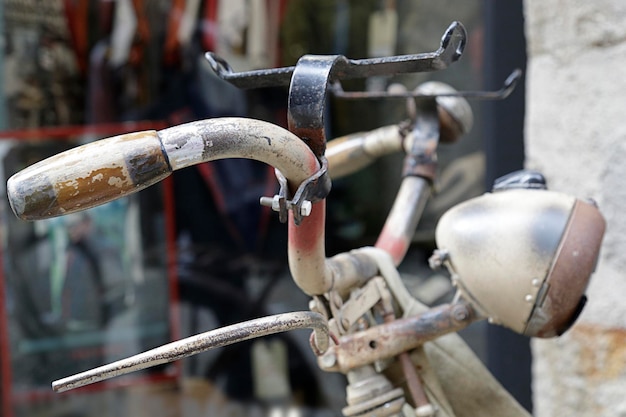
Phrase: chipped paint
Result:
[88,175]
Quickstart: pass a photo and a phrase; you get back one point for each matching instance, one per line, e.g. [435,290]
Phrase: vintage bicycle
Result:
[520,256]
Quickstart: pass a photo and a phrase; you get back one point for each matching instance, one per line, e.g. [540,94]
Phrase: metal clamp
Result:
[310,79]
[313,189]
[309,82]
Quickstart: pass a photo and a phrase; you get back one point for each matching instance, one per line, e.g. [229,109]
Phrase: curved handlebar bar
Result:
[98,172]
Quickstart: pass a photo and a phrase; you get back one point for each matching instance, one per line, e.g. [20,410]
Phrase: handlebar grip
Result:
[88,175]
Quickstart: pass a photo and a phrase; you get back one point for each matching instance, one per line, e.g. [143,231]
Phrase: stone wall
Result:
[576,135]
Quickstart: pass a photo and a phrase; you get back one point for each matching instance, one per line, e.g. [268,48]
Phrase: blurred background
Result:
[198,251]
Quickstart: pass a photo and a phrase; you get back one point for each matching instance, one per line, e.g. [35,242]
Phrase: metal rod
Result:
[390,339]
[507,88]
[450,50]
[202,342]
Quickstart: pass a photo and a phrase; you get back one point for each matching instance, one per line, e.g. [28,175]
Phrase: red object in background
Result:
[65,132]
[9,397]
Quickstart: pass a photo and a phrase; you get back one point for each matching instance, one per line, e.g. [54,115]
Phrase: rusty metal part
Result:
[307,253]
[360,302]
[202,342]
[559,305]
[390,339]
[305,112]
[450,50]
[420,166]
[414,384]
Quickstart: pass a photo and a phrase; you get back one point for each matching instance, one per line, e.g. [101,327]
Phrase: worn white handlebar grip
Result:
[88,175]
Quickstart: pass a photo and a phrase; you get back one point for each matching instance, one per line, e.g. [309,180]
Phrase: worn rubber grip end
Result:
[31,198]
[88,176]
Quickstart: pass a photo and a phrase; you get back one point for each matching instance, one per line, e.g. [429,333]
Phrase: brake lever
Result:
[224,336]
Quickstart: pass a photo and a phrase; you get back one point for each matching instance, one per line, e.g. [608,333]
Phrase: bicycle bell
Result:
[455,114]
[523,255]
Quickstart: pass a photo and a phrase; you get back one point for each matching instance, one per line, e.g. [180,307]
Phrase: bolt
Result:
[273,202]
[266,201]
[305,208]
[437,259]
[460,313]
[345,323]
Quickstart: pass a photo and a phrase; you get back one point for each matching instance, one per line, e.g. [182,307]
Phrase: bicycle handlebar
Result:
[102,171]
